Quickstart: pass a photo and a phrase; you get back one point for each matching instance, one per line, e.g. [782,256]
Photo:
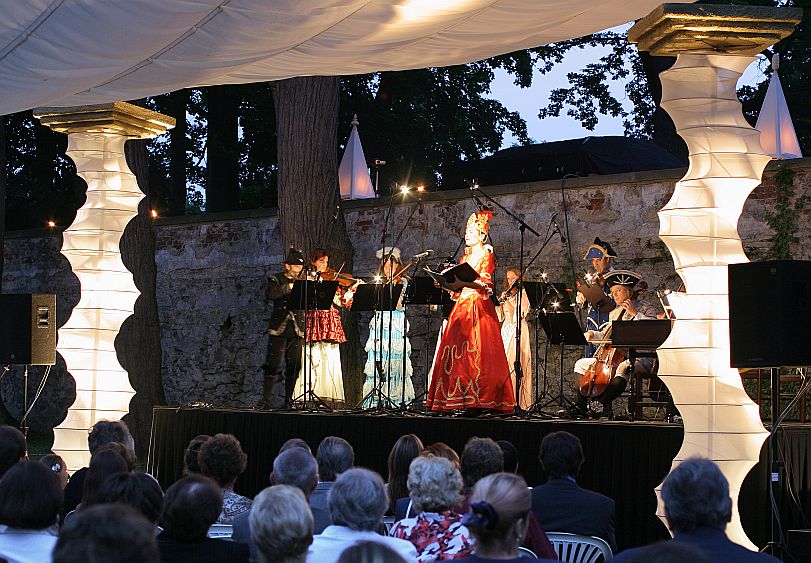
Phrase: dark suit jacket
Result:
[207,551]
[242,528]
[561,505]
[278,291]
[713,543]
[318,498]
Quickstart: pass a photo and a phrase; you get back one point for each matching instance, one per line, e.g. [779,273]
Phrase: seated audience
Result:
[435,486]
[370,552]
[190,507]
[670,552]
[357,502]
[334,456]
[138,490]
[295,443]
[498,519]
[295,467]
[405,449]
[222,459]
[104,463]
[30,502]
[106,533]
[697,508]
[281,525]
[441,449]
[103,432]
[481,457]
[56,464]
[510,453]
[191,465]
[13,448]
[561,505]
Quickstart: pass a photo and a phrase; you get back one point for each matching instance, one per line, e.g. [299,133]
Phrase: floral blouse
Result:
[437,536]
[233,504]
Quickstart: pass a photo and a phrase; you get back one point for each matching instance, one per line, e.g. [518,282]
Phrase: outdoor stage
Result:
[624,460]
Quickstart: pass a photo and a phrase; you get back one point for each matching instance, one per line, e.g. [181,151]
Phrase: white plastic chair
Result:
[527,552]
[221,531]
[574,548]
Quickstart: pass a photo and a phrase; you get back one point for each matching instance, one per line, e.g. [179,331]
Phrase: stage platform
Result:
[624,460]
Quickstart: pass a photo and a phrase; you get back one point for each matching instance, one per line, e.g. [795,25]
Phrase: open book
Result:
[463,272]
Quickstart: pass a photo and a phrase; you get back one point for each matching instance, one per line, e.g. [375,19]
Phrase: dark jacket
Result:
[713,543]
[561,505]
[207,551]
[278,291]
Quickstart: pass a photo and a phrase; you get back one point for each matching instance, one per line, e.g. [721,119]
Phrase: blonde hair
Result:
[281,524]
[509,497]
[514,270]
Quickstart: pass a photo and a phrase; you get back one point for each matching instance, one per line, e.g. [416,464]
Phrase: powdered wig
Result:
[281,524]
[358,500]
[434,484]
[509,500]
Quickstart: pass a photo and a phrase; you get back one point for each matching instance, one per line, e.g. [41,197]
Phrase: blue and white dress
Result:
[397,363]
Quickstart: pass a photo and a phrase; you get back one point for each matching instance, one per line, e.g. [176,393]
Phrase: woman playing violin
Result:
[508,313]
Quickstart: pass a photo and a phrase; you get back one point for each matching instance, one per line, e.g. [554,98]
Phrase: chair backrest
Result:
[573,548]
[527,552]
[221,531]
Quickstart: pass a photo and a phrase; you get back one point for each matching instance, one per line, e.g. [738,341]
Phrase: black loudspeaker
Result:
[28,329]
[798,544]
[769,308]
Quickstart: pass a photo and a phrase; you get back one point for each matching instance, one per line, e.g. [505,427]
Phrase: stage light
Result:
[52,224]
[555,304]
[154,213]
[404,189]
[421,189]
[544,276]
[378,279]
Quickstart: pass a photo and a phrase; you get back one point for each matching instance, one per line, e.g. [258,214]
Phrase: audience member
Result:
[191,465]
[481,457]
[561,505]
[441,449]
[370,552]
[105,533]
[670,552]
[295,443]
[138,490]
[221,458]
[103,432]
[405,449]
[127,454]
[12,447]
[334,456]
[104,463]
[435,486]
[30,502]
[697,509]
[510,453]
[281,524]
[357,502]
[295,467]
[498,519]
[57,465]
[190,507]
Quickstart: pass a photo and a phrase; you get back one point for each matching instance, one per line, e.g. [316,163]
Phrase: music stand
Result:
[309,295]
[561,328]
[597,298]
[378,298]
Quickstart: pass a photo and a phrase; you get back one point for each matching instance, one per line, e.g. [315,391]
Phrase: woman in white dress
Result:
[508,314]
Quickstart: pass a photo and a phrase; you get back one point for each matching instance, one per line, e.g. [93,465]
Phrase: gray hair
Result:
[434,483]
[334,456]
[296,467]
[358,500]
[106,431]
[696,494]
[281,524]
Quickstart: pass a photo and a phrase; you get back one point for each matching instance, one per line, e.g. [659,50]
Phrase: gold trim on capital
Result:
[117,118]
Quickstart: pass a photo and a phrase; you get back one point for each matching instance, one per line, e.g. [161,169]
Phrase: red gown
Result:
[471,368]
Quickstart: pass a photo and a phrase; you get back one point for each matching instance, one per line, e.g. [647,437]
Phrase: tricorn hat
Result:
[295,257]
[600,249]
[389,250]
[622,277]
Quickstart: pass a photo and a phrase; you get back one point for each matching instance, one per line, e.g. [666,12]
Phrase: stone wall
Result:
[212,270]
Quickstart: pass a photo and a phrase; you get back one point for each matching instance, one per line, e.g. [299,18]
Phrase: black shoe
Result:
[575,412]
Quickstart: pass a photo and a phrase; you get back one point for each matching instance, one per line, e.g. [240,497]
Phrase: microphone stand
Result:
[522,227]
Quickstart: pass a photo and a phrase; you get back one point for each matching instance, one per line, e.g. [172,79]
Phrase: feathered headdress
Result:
[481,220]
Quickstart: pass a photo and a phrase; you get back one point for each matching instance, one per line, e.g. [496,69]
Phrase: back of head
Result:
[137,490]
[370,552]
[561,455]
[434,484]
[358,500]
[30,497]
[296,467]
[696,495]
[281,523]
[510,453]
[405,449]
[104,533]
[190,506]
[106,431]
[334,456]
[443,450]
[481,457]
[12,447]
[498,503]
[190,463]
[221,458]
[103,464]
[127,454]
[295,443]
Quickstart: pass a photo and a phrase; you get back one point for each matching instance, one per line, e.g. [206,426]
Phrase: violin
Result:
[344,280]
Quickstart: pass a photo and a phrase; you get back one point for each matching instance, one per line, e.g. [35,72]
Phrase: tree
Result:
[222,178]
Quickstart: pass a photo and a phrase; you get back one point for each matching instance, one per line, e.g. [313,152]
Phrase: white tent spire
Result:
[774,122]
[353,174]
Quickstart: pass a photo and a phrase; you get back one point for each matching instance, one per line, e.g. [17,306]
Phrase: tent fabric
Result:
[777,134]
[76,52]
[353,173]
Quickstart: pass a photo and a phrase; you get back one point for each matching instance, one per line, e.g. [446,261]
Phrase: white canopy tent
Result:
[353,173]
[75,52]
[774,121]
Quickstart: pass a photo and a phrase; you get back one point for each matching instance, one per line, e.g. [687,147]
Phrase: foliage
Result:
[787,209]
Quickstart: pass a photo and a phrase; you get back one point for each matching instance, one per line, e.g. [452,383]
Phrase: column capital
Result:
[117,118]
[671,29]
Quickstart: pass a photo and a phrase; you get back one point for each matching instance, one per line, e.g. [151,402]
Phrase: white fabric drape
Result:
[75,52]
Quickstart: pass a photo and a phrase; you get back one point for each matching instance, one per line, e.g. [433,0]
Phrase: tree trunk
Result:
[2,197]
[222,161]
[139,341]
[309,213]
[664,131]
[177,102]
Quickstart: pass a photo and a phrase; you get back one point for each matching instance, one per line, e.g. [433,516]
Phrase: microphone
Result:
[557,229]
[423,254]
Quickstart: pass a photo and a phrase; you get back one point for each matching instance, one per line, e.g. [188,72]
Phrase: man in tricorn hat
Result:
[286,330]
[621,284]
[601,255]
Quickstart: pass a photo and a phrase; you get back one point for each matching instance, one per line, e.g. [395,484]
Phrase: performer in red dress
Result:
[471,369]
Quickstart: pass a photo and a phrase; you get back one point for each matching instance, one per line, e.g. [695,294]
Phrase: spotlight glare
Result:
[52,223]
[404,189]
[378,279]
[154,213]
